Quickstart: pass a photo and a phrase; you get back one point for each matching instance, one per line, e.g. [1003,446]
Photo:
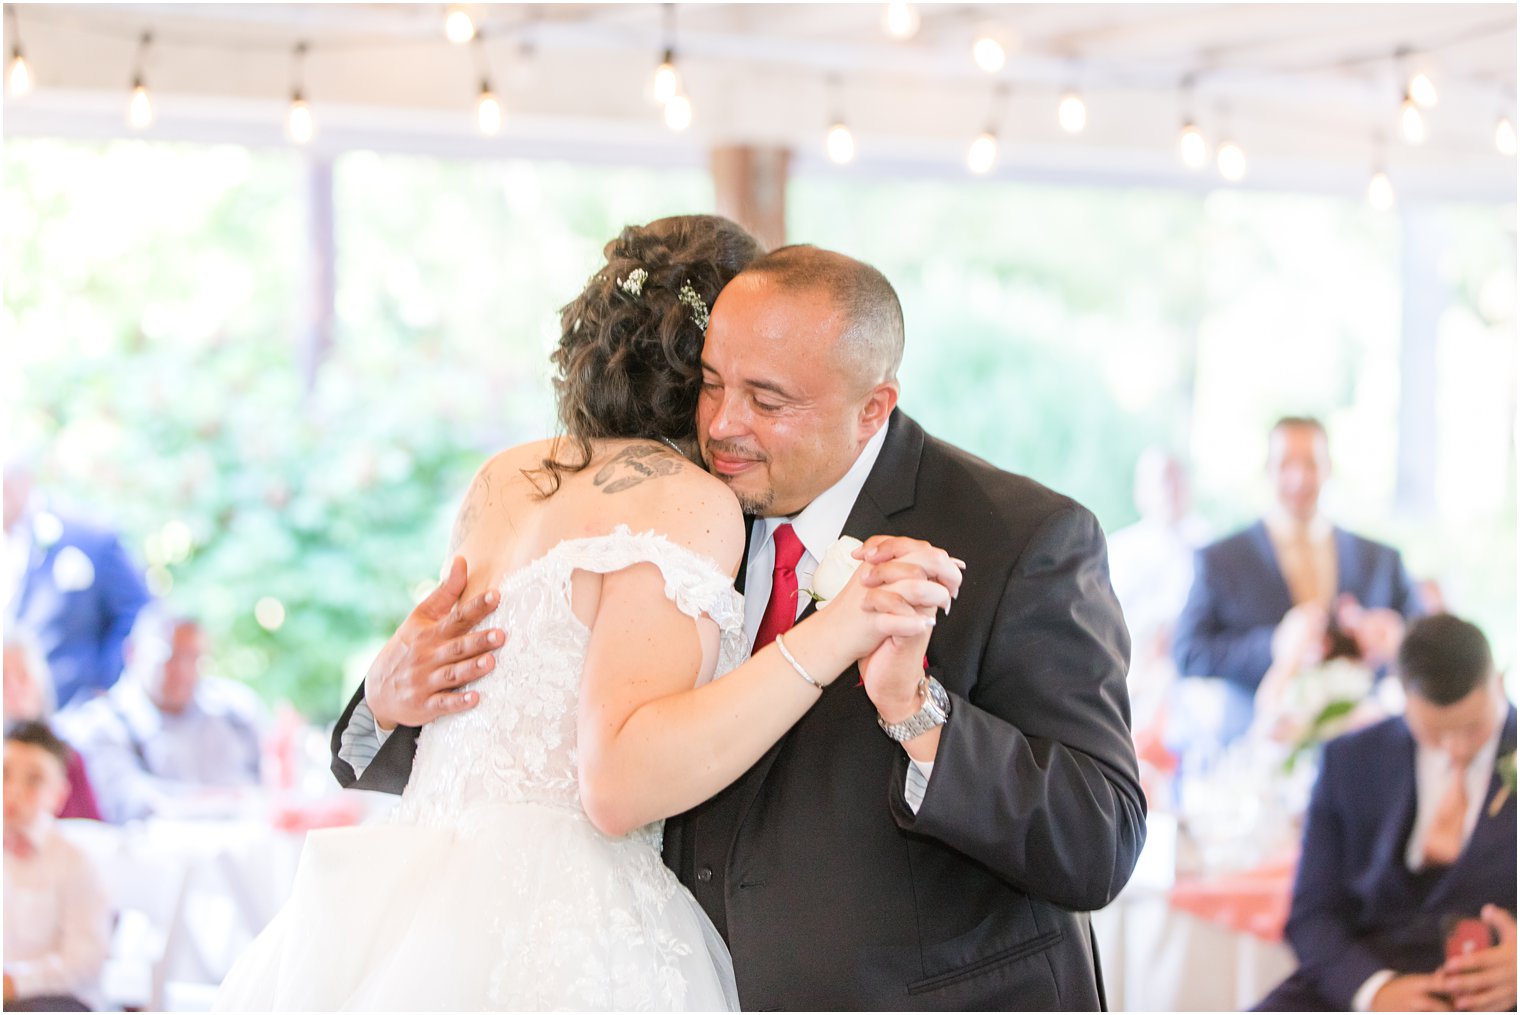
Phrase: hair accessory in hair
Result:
[698,305]
[633,285]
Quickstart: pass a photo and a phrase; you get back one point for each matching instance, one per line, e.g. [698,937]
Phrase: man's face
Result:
[781,419]
[35,783]
[1298,463]
[175,683]
[1459,729]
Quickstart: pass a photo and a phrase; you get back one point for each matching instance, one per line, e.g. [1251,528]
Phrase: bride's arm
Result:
[651,745]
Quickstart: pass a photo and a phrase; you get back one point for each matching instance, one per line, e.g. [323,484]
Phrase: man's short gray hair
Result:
[873,334]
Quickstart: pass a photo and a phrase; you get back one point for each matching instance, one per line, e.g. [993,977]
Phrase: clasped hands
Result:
[1481,981]
[422,671]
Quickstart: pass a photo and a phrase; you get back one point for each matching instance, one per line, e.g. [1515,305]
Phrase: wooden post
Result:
[318,290]
[750,183]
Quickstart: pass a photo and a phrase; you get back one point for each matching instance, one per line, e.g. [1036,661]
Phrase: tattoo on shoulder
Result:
[475,502]
[633,465]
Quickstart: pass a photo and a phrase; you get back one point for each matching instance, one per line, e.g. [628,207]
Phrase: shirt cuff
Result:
[362,739]
[1362,999]
[918,783]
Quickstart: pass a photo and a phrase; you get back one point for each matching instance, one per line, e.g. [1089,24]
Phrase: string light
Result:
[840,144]
[1411,121]
[18,76]
[1192,146]
[989,53]
[488,114]
[900,21]
[457,26]
[1422,90]
[1231,160]
[488,111]
[666,81]
[678,112]
[1072,112]
[299,126]
[140,106]
[1504,136]
[982,155]
[1380,191]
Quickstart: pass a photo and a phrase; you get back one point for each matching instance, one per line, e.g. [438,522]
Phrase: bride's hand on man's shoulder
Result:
[418,673]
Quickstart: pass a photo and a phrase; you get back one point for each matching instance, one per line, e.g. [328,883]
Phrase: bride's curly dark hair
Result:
[629,362]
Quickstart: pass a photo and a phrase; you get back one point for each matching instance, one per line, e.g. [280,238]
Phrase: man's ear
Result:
[877,408]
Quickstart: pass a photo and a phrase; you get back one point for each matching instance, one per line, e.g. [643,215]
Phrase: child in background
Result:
[56,920]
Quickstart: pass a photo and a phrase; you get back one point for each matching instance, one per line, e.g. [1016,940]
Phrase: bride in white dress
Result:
[522,868]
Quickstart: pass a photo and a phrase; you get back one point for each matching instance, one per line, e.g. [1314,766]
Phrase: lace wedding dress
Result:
[488,887]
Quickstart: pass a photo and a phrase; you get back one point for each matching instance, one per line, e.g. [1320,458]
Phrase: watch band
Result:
[934,712]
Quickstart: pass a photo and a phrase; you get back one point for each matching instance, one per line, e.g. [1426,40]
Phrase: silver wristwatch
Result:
[934,712]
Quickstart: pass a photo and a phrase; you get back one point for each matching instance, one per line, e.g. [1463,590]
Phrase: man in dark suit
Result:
[72,586]
[932,834]
[1411,826]
[1291,571]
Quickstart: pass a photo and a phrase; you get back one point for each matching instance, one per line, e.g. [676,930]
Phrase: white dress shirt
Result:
[57,921]
[1432,768]
[818,526]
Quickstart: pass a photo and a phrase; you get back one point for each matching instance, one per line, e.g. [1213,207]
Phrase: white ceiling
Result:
[1306,89]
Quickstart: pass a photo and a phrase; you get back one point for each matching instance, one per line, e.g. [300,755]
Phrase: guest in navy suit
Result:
[1412,825]
[1291,571]
[72,585]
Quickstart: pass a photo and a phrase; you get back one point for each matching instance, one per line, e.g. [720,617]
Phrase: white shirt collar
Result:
[820,523]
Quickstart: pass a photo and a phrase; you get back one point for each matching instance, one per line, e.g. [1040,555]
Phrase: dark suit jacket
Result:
[1356,907]
[1239,595]
[79,597]
[831,893]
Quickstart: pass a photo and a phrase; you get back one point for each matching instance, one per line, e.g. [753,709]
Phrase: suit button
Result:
[704,874]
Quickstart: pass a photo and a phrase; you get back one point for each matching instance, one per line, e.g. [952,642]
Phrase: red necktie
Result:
[781,610]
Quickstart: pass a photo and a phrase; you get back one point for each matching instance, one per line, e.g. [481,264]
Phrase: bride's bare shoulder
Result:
[647,485]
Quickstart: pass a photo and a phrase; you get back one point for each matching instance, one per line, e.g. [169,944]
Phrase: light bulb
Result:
[20,74]
[840,144]
[488,111]
[1192,146]
[666,81]
[900,21]
[1072,112]
[1504,136]
[140,108]
[1232,162]
[982,155]
[1423,90]
[1380,191]
[298,123]
[458,26]
[1411,122]
[989,54]
[678,112]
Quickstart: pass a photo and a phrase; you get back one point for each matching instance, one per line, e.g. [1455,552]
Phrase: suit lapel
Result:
[1488,829]
[1348,563]
[889,487]
[1393,837]
[1262,542]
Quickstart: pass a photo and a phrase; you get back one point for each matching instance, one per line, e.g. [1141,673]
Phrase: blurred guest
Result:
[71,583]
[1284,573]
[57,923]
[1151,566]
[167,740]
[28,697]
[1411,827]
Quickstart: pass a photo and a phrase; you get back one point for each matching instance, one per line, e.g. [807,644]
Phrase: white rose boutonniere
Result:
[834,570]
